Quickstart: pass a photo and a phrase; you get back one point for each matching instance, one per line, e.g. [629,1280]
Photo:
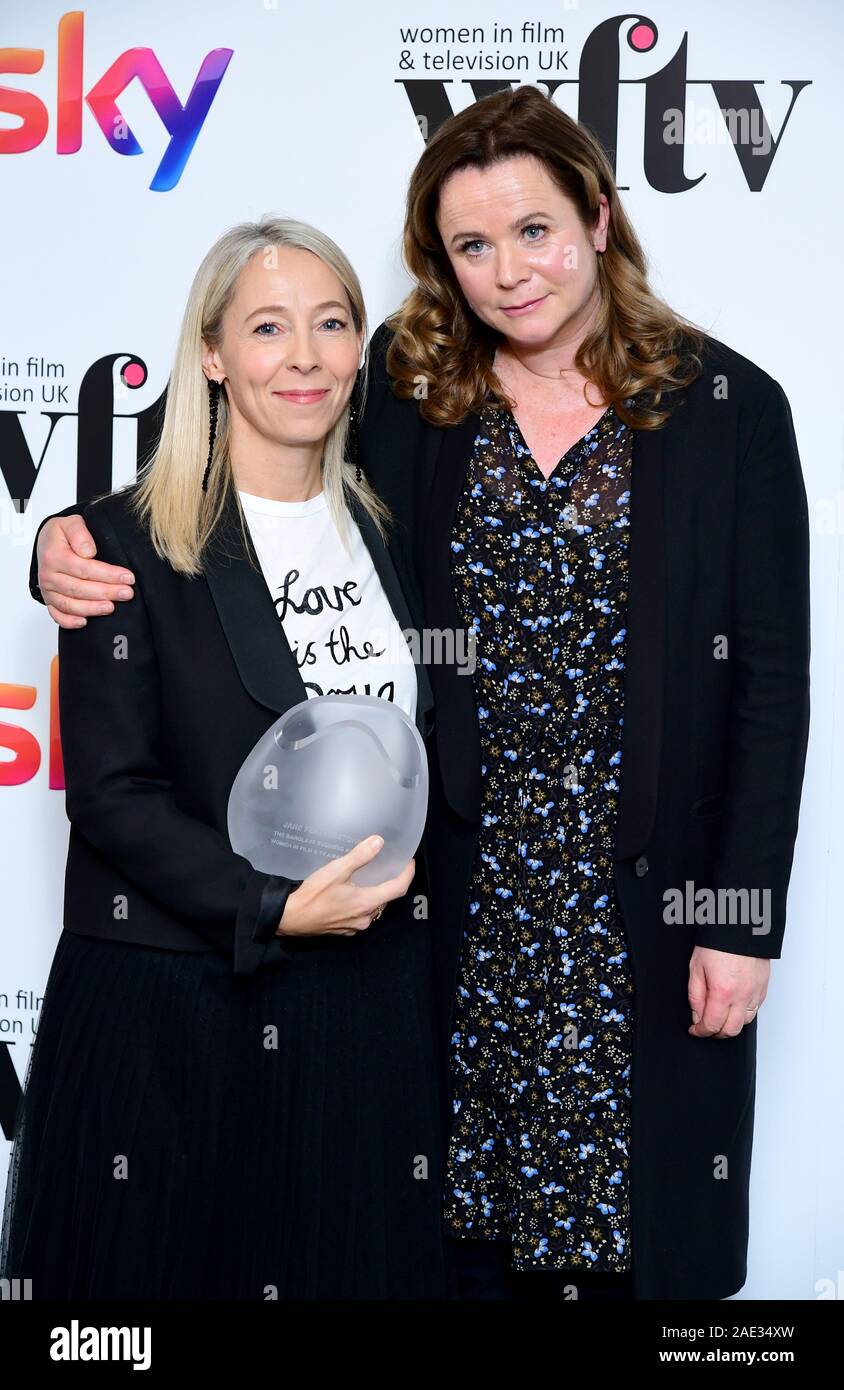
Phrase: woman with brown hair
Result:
[610,502]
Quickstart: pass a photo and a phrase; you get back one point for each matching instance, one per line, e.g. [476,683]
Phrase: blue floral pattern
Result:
[541,1043]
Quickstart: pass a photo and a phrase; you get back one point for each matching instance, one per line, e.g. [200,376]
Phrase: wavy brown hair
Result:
[639,347]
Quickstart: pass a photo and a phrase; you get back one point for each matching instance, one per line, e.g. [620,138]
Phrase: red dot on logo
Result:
[642,37]
[133,374]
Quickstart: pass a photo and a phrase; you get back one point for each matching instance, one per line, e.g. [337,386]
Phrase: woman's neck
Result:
[288,474]
[548,367]
[564,386]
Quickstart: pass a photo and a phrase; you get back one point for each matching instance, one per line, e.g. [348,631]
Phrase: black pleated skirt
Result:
[185,1133]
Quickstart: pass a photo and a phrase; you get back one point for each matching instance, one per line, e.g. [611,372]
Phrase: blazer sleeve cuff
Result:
[34,588]
[255,939]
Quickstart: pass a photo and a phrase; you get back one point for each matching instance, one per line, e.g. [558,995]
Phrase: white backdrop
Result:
[312,118]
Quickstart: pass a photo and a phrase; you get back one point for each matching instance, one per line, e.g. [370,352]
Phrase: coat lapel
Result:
[256,638]
[394,588]
[458,736]
[645,658]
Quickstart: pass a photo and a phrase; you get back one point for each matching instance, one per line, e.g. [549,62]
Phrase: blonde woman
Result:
[232,1092]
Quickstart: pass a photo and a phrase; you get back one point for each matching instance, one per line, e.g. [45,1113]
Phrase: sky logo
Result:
[182,123]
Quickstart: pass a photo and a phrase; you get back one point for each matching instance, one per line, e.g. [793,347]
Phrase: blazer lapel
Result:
[645,656]
[458,736]
[256,637]
[261,651]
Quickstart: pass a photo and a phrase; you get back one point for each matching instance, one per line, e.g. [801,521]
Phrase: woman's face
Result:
[521,256]
[289,352]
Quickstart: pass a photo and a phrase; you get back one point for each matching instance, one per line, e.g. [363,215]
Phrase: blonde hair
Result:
[639,347]
[168,498]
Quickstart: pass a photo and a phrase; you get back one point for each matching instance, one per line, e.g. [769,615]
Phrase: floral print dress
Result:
[540,1051]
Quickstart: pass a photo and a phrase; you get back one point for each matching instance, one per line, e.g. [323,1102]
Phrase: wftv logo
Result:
[666,125]
[95,415]
[182,123]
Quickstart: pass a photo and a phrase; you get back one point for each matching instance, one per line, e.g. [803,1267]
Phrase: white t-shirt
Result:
[335,614]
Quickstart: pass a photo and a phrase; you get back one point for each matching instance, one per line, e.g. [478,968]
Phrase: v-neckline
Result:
[577,445]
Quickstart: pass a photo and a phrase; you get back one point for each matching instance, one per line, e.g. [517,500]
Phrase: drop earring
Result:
[214,389]
[353,436]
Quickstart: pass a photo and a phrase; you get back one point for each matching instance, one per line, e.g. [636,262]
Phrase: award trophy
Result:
[330,772]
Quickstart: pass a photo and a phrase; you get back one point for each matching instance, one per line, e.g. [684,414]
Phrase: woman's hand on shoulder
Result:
[75,586]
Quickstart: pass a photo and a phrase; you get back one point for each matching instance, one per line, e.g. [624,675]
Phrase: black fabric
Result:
[165,1149]
[482,1269]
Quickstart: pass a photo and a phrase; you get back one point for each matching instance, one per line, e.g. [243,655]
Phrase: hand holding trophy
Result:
[331,773]
[328,902]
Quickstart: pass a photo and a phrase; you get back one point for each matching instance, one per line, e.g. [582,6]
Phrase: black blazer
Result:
[160,701]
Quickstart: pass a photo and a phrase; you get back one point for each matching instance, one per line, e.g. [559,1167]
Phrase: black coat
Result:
[712,762]
[152,744]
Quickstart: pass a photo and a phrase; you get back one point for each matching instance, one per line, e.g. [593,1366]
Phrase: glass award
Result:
[330,772]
